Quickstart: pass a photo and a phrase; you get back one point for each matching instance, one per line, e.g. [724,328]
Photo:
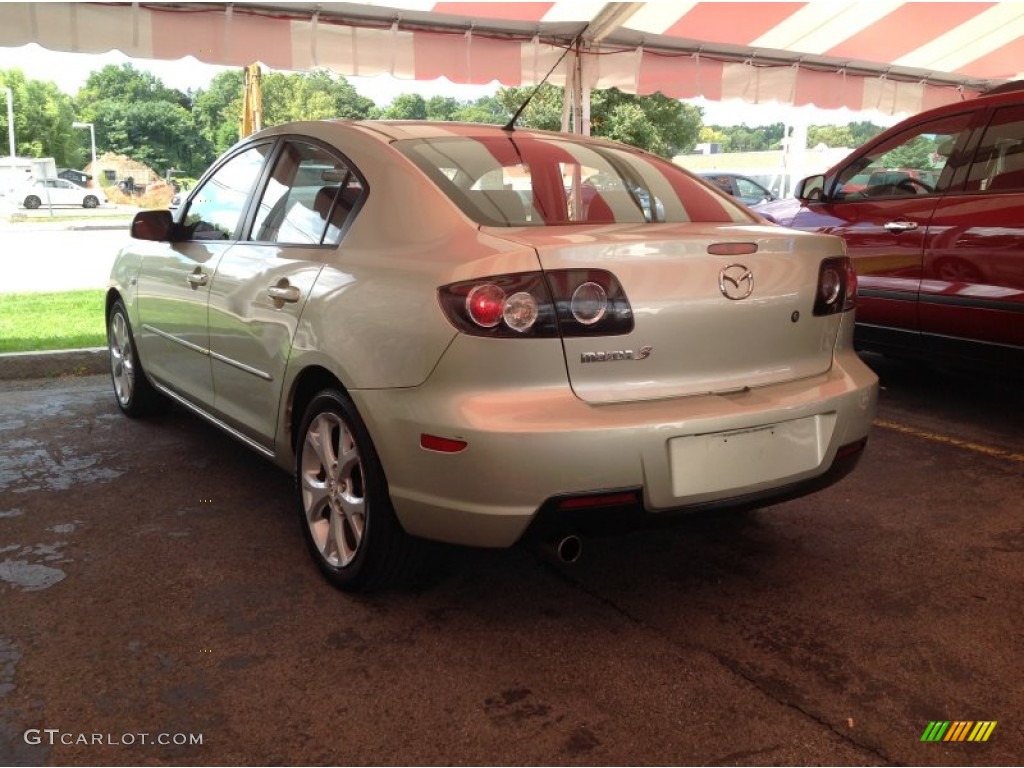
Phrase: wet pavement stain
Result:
[28,465]
[581,741]
[33,568]
[29,576]
[9,658]
[514,706]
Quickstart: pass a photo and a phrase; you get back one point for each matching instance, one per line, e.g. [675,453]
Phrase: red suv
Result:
[932,211]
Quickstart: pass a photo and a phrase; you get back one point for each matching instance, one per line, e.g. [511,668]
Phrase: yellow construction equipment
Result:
[252,103]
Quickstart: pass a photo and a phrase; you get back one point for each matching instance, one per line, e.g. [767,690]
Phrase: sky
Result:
[70,70]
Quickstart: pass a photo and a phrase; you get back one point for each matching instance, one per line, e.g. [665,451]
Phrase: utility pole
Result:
[10,127]
[92,141]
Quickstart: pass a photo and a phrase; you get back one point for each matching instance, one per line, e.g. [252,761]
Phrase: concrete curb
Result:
[55,363]
[71,226]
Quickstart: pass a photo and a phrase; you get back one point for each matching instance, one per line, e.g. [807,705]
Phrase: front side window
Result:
[999,162]
[913,162]
[215,210]
[308,199]
[524,181]
[750,190]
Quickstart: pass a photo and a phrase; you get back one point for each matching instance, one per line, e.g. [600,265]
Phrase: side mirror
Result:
[153,225]
[810,189]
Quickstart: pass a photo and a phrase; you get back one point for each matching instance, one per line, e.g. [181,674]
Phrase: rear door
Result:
[261,284]
[973,282]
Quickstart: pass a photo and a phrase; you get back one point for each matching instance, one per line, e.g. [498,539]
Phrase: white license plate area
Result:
[727,461]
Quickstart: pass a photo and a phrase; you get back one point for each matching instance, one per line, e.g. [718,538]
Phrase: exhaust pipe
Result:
[569,548]
[563,548]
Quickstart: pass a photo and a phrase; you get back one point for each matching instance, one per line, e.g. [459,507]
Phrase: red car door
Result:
[885,238]
[973,273]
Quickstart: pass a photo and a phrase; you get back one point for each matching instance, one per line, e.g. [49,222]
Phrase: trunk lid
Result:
[690,338]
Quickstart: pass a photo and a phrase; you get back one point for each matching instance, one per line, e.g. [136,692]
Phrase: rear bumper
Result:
[573,514]
[526,446]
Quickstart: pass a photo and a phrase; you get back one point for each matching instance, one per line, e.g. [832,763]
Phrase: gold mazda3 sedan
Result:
[475,335]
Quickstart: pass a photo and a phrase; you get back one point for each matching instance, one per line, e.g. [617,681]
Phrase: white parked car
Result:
[442,342]
[47,192]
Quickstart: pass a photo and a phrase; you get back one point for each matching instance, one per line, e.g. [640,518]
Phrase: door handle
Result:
[197,279]
[899,226]
[284,293]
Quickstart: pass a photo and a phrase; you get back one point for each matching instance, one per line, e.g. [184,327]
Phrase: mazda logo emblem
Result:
[736,282]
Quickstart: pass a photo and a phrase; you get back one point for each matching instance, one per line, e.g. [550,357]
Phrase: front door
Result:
[175,279]
[881,204]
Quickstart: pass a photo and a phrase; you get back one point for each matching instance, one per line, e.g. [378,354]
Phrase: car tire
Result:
[32,202]
[90,202]
[344,507]
[134,394]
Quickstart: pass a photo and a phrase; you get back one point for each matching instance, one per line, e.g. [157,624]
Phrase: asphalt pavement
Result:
[159,608]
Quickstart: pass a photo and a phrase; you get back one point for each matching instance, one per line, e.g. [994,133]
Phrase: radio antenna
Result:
[511,124]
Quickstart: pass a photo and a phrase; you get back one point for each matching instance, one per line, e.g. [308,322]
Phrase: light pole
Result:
[10,127]
[92,141]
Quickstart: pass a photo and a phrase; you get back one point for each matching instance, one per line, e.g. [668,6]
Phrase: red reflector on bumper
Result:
[851,448]
[441,444]
[604,500]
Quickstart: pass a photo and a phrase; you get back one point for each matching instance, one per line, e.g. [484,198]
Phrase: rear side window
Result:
[512,181]
[308,199]
[999,162]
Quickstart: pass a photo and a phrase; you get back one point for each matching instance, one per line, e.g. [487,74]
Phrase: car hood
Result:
[779,211]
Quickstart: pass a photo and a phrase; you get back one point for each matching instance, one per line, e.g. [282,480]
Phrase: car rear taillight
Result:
[485,305]
[837,286]
[573,302]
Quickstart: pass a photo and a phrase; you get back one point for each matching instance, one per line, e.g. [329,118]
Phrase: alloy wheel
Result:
[333,489]
[122,361]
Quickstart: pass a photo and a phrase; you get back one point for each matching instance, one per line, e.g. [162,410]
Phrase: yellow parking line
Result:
[987,450]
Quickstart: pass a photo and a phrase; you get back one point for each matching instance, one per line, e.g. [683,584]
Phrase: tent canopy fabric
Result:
[889,56]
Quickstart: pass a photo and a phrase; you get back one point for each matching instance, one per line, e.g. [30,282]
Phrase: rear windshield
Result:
[510,181]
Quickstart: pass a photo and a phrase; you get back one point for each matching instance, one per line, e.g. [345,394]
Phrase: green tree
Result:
[486,109]
[42,120]
[656,123]
[830,136]
[913,154]
[544,110]
[406,106]
[744,138]
[136,115]
[442,108]
[863,131]
[711,135]
[157,133]
[286,96]
[127,85]
[661,125]
[217,110]
[316,95]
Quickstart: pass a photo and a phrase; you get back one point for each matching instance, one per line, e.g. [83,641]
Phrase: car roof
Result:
[396,130]
[1008,93]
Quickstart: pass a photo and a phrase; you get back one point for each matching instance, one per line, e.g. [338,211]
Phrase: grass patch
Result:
[31,322]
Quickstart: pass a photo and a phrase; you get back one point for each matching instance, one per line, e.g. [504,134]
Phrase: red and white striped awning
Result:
[860,54]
